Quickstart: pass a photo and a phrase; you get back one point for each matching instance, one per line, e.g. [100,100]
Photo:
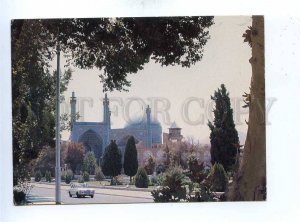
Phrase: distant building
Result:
[174,133]
[96,136]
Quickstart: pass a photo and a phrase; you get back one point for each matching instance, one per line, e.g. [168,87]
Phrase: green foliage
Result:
[48,176]
[201,193]
[160,168]
[74,156]
[86,176]
[130,158]
[80,179]
[223,136]
[89,163]
[99,174]
[37,176]
[33,94]
[218,178]
[69,176]
[150,164]
[66,121]
[197,172]
[174,186]
[45,160]
[141,178]
[19,197]
[116,181]
[112,160]
[20,191]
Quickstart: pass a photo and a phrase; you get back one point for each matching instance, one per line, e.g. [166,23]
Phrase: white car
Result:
[81,190]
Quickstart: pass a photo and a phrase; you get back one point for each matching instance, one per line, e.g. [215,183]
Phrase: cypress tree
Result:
[112,160]
[223,134]
[130,158]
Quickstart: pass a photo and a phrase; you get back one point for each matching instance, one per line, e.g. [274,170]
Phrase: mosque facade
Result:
[96,136]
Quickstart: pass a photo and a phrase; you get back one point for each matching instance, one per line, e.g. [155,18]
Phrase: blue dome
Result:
[141,124]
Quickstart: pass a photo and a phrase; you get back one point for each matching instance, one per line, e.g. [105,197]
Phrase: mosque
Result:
[96,136]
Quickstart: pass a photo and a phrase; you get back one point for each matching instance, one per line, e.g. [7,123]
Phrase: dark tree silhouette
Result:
[112,160]
[223,133]
[130,158]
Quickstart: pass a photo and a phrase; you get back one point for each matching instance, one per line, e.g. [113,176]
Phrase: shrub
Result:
[174,186]
[63,175]
[80,179]
[141,178]
[37,176]
[116,181]
[69,176]
[197,172]
[218,178]
[19,197]
[150,164]
[20,191]
[48,176]
[89,163]
[160,169]
[153,181]
[99,174]
[85,176]
[201,193]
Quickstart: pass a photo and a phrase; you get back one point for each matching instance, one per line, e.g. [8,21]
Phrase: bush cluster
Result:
[116,181]
[174,186]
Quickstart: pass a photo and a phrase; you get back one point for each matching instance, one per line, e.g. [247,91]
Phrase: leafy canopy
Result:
[121,46]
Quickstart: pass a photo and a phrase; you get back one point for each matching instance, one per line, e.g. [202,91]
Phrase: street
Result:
[47,192]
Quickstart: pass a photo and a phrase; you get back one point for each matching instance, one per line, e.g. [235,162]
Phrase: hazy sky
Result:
[183,93]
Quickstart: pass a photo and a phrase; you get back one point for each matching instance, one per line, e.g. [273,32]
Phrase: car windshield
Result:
[79,185]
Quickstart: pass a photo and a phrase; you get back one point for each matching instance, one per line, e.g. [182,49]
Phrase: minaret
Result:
[106,120]
[149,131]
[73,109]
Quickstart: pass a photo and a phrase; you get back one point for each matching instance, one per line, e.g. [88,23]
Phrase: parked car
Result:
[81,190]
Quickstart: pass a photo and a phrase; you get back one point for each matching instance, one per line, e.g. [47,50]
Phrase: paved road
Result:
[101,195]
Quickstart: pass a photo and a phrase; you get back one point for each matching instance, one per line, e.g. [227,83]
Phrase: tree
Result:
[75,156]
[141,178]
[99,174]
[196,170]
[150,164]
[218,178]
[89,163]
[117,47]
[45,160]
[223,134]
[112,160]
[33,93]
[249,183]
[130,158]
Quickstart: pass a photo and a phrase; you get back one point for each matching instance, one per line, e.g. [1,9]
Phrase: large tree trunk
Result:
[249,182]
